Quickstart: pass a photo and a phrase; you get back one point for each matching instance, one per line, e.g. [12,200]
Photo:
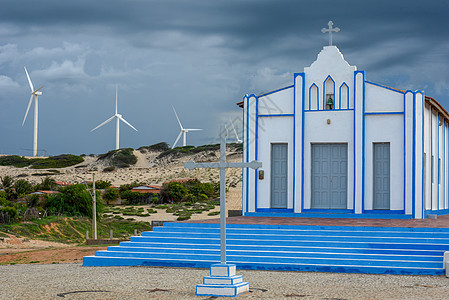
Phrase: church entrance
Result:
[279,176]
[381,169]
[329,176]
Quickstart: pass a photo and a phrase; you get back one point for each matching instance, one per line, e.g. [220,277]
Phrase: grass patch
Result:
[156,147]
[59,161]
[73,230]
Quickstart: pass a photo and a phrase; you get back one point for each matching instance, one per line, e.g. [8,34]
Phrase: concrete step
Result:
[282,247]
[242,253]
[322,248]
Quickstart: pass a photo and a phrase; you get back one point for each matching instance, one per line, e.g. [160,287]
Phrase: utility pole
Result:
[94,209]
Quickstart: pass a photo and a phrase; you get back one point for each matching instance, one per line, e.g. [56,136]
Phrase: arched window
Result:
[313,97]
[329,93]
[344,96]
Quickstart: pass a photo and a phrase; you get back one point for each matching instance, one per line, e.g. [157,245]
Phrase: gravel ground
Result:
[72,281]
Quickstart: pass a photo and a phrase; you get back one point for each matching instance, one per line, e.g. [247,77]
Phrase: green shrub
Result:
[48,184]
[59,161]
[173,192]
[23,187]
[15,160]
[3,200]
[121,158]
[128,186]
[202,197]
[33,200]
[155,199]
[73,200]
[190,197]
[163,146]
[135,197]
[8,215]
[7,182]
[102,184]
[109,169]
[110,194]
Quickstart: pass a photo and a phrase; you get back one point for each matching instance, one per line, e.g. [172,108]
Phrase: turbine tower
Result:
[119,118]
[34,93]
[183,131]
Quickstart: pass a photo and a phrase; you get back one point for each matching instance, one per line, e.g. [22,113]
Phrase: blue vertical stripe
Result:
[353,141]
[302,141]
[414,157]
[256,154]
[405,149]
[422,160]
[363,142]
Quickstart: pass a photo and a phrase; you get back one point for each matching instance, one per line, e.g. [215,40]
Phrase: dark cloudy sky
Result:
[200,56]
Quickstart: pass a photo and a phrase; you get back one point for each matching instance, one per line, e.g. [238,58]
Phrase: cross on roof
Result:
[330,30]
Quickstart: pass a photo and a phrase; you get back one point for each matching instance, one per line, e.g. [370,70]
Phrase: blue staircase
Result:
[379,250]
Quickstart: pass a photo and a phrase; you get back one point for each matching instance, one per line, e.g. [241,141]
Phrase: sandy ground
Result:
[147,170]
[72,281]
[14,250]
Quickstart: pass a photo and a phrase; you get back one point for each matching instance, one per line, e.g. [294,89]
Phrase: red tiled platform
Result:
[440,222]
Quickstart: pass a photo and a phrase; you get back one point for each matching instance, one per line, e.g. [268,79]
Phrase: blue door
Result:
[279,169]
[329,176]
[381,170]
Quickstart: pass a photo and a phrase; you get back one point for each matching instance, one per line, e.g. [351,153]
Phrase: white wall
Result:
[340,130]
[428,165]
[249,138]
[379,128]
[330,61]
[434,143]
[379,99]
[280,102]
[440,163]
[446,156]
[270,132]
[420,132]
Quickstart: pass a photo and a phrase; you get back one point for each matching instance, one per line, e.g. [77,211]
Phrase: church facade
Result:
[335,143]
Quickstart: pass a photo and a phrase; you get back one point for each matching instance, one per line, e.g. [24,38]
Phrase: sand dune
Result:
[147,170]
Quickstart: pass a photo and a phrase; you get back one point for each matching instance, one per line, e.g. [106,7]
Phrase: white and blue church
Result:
[336,144]
[332,144]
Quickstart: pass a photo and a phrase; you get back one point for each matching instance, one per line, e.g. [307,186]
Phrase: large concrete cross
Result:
[222,165]
[330,30]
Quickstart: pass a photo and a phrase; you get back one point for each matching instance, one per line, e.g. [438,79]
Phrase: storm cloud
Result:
[199,56]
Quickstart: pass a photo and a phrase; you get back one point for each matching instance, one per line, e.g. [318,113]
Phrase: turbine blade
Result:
[38,89]
[177,118]
[107,121]
[28,108]
[192,130]
[29,80]
[235,132]
[126,122]
[177,139]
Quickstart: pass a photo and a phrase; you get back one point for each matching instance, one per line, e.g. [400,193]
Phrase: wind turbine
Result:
[183,131]
[235,133]
[119,118]
[34,93]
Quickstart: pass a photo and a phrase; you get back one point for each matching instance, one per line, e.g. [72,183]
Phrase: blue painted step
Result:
[284,247]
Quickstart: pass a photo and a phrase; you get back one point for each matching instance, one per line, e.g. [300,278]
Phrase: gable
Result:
[279,102]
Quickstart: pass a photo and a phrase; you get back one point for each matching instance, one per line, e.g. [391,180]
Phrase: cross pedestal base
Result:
[222,282]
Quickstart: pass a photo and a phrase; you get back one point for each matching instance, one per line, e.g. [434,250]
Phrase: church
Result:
[334,144]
